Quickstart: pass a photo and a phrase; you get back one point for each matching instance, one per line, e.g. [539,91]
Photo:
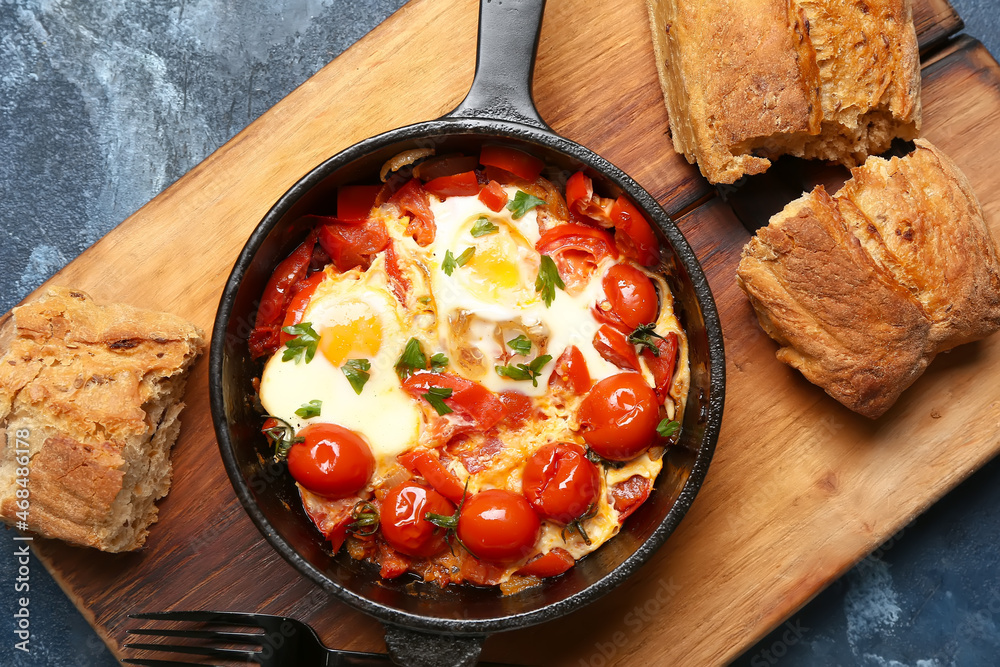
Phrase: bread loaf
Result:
[746,81]
[91,395]
[863,289]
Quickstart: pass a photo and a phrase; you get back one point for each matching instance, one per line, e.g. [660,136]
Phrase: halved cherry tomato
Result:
[638,241]
[663,366]
[549,564]
[518,407]
[629,495]
[614,346]
[580,200]
[427,464]
[412,200]
[402,519]
[576,250]
[498,525]
[493,196]
[398,282]
[355,202]
[570,372]
[266,334]
[303,292]
[332,461]
[459,185]
[475,407]
[560,483]
[516,162]
[619,417]
[351,245]
[331,517]
[630,295]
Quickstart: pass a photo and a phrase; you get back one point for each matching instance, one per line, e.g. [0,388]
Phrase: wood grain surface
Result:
[800,488]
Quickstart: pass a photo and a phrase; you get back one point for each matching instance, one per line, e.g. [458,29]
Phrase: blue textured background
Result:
[104,103]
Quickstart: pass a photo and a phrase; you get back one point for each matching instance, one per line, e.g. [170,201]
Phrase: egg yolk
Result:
[494,272]
[356,333]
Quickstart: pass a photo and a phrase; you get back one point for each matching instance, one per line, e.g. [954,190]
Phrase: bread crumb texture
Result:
[863,289]
[746,81]
[97,390]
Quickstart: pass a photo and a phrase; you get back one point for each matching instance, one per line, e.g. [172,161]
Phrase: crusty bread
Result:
[746,81]
[863,289]
[94,393]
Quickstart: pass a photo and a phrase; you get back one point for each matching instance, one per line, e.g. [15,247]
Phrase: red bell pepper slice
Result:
[427,464]
[351,245]
[548,564]
[475,407]
[629,495]
[459,185]
[303,291]
[613,346]
[412,200]
[355,202]
[516,162]
[633,233]
[493,196]
[266,335]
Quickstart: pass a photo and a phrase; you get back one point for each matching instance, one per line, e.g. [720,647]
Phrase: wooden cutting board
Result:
[800,488]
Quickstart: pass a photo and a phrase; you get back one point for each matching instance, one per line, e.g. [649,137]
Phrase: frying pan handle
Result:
[505,63]
[412,648]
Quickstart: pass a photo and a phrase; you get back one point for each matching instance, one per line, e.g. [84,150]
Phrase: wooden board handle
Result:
[505,63]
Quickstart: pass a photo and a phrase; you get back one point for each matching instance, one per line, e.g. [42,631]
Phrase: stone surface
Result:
[104,104]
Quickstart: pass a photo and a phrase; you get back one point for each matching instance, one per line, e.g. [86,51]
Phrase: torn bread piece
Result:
[863,289]
[746,81]
[89,400]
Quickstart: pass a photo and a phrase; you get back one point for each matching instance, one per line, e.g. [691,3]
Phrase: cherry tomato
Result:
[576,250]
[412,200]
[549,564]
[493,196]
[629,495]
[333,461]
[353,244]
[614,346]
[498,525]
[560,483]
[355,202]
[662,366]
[427,464]
[570,372]
[266,334]
[581,201]
[403,524]
[619,417]
[516,162]
[459,185]
[637,241]
[631,296]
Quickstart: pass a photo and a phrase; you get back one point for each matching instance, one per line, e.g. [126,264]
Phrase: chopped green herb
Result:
[668,428]
[521,345]
[310,409]
[356,371]
[424,300]
[439,362]
[522,203]
[525,371]
[412,359]
[548,280]
[483,227]
[282,436]
[597,459]
[435,396]
[302,345]
[365,519]
[644,335]
[451,262]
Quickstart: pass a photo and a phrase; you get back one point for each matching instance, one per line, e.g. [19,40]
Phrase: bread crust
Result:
[746,81]
[97,390]
[861,290]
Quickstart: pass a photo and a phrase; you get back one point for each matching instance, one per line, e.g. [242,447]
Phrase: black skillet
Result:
[425,625]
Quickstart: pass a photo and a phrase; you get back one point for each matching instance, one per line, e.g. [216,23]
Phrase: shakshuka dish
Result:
[473,373]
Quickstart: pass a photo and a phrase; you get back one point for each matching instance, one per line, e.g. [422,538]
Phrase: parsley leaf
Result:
[525,371]
[548,280]
[521,345]
[668,429]
[451,262]
[439,362]
[412,359]
[424,300]
[522,203]
[643,336]
[310,409]
[303,345]
[435,396]
[356,371]
[483,227]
